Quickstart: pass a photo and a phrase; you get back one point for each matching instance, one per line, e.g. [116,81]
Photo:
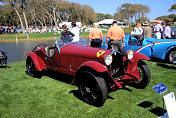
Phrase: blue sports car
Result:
[156,48]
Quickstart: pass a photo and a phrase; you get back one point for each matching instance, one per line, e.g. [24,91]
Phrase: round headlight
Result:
[108,60]
[130,54]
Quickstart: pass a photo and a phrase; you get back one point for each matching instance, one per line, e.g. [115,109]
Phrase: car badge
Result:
[99,53]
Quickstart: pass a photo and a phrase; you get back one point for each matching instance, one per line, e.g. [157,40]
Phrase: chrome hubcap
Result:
[172,57]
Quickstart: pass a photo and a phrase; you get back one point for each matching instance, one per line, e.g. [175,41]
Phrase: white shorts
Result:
[158,35]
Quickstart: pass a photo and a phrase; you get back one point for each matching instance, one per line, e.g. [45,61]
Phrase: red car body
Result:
[73,59]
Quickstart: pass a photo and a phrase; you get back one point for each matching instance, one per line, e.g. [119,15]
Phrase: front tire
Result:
[92,88]
[31,70]
[145,75]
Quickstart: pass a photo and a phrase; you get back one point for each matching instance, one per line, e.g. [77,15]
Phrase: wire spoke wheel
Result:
[144,74]
[30,66]
[172,57]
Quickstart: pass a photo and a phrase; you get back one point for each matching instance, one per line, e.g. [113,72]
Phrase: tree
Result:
[173,8]
[108,16]
[36,11]
[45,12]
[170,18]
[8,16]
[15,4]
[100,16]
[23,4]
[131,12]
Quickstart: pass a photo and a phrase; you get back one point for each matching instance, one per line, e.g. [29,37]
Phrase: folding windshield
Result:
[66,39]
[60,44]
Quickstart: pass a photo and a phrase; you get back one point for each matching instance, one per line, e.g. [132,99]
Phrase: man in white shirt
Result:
[158,29]
[75,31]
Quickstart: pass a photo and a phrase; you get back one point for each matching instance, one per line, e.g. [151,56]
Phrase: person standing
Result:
[138,31]
[147,30]
[116,34]
[66,36]
[95,37]
[167,31]
[158,29]
[75,31]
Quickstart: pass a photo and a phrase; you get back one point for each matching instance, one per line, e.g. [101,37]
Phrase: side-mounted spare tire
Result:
[92,88]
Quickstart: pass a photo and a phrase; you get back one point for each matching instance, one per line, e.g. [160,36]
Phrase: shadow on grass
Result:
[6,67]
[158,60]
[167,66]
[145,104]
[163,63]
[59,76]
[77,94]
[69,79]
[157,110]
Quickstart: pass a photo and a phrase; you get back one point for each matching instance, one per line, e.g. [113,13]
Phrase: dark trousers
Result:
[95,43]
[139,39]
[167,37]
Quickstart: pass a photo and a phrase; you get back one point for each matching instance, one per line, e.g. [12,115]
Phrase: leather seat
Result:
[50,50]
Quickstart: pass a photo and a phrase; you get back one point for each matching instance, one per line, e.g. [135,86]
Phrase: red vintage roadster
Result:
[95,70]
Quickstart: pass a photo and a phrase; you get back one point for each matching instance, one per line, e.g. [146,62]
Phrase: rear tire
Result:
[92,88]
[31,70]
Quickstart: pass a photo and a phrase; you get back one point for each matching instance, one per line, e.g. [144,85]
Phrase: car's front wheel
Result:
[31,70]
[92,88]
[171,56]
[144,73]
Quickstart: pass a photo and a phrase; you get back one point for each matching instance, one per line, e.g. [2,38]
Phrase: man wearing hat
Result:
[147,30]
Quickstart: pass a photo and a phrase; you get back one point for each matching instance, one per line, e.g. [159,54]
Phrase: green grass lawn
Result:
[54,97]
[32,36]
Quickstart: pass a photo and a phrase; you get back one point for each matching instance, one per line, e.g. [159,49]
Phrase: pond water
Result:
[16,50]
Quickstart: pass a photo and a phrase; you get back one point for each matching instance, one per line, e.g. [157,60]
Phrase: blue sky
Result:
[158,7]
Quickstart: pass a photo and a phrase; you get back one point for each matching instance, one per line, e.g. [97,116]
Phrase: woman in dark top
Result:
[66,32]
[66,35]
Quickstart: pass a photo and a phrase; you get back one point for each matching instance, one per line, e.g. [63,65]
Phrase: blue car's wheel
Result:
[171,56]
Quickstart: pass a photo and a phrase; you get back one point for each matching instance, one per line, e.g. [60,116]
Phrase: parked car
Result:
[164,49]
[95,70]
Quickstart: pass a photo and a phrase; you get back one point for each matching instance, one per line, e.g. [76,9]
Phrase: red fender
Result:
[139,56]
[94,65]
[131,67]
[39,64]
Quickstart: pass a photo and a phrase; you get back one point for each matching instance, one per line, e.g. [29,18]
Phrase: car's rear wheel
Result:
[171,56]
[144,73]
[92,88]
[31,70]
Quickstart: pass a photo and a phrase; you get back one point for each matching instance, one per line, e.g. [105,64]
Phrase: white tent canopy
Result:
[108,22]
[78,24]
